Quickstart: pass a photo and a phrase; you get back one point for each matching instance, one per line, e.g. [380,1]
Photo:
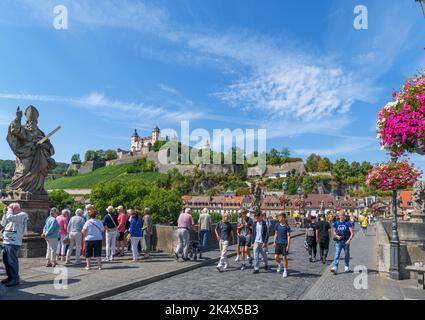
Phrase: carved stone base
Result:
[38,211]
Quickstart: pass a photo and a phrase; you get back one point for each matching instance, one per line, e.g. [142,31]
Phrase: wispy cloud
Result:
[169,89]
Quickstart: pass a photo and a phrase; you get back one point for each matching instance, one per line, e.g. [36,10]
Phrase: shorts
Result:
[94,249]
[121,236]
[244,241]
[280,249]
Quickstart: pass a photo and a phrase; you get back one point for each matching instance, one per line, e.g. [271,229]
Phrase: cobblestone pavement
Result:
[351,286]
[207,283]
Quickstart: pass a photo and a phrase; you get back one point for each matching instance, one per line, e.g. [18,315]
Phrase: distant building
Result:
[272,206]
[145,144]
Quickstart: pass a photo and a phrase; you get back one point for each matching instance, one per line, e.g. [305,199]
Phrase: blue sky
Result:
[296,68]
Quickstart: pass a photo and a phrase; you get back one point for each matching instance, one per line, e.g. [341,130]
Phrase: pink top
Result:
[62,223]
[185,221]
[122,219]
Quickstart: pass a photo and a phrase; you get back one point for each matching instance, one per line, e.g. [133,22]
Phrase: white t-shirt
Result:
[15,226]
[94,230]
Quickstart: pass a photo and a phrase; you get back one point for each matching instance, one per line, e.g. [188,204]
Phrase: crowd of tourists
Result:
[81,234]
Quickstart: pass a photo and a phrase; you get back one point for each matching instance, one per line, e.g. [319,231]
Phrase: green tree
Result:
[59,198]
[312,162]
[110,155]
[285,154]
[100,155]
[273,157]
[366,166]
[341,169]
[356,169]
[90,155]
[76,159]
[324,165]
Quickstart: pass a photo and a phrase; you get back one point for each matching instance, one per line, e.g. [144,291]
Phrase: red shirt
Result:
[122,220]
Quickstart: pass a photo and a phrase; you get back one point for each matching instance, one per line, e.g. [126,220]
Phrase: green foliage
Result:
[215,217]
[59,198]
[90,155]
[313,162]
[61,169]
[165,205]
[110,155]
[158,144]
[71,173]
[89,180]
[2,206]
[76,159]
[141,165]
[275,157]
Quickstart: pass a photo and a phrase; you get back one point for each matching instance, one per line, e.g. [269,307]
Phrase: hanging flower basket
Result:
[393,175]
[401,123]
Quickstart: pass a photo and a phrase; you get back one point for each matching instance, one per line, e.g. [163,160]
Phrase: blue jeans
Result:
[258,248]
[204,239]
[339,245]
[10,260]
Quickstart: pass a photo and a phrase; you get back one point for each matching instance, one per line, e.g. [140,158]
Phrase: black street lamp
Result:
[422,4]
[395,240]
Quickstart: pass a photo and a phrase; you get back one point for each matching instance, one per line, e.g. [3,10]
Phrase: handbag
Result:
[66,240]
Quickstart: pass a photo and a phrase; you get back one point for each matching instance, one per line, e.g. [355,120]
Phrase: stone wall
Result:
[412,239]
[165,237]
[87,167]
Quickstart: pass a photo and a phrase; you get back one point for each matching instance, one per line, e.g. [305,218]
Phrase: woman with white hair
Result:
[51,235]
[75,227]
[63,222]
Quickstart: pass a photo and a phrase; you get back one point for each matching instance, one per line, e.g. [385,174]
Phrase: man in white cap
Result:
[15,223]
[110,223]
[184,225]
[122,223]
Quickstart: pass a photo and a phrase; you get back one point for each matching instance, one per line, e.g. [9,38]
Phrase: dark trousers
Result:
[204,239]
[324,249]
[10,260]
[312,247]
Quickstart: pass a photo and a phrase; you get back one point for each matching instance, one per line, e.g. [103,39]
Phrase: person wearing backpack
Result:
[310,235]
[323,237]
[110,222]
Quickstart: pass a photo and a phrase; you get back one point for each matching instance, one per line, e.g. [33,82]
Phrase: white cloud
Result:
[169,89]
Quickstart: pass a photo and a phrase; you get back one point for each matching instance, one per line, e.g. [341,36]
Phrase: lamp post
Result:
[395,241]
[300,192]
[422,4]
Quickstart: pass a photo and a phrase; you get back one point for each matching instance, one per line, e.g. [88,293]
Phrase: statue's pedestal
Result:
[33,246]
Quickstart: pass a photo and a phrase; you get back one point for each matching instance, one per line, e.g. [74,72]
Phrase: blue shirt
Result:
[136,226]
[342,228]
[224,229]
[282,233]
[51,228]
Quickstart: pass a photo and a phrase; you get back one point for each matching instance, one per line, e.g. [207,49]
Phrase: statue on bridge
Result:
[418,197]
[33,156]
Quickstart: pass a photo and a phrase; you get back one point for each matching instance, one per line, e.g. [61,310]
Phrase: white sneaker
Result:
[279,269]
[225,266]
[346,269]
[285,274]
[333,270]
[237,259]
